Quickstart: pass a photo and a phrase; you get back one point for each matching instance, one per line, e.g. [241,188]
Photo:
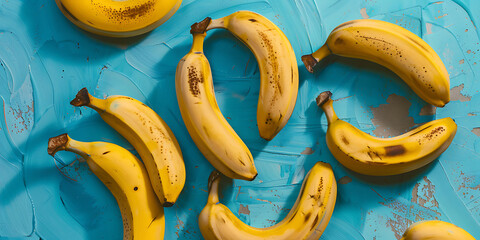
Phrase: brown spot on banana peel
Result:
[314,224]
[307,216]
[395,150]
[345,140]
[57,143]
[127,13]
[194,80]
[252,20]
[81,99]
[200,27]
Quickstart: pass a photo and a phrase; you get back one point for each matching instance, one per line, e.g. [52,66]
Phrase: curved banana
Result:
[125,18]
[277,64]
[125,176]
[437,230]
[210,131]
[150,136]
[393,47]
[365,154]
[307,219]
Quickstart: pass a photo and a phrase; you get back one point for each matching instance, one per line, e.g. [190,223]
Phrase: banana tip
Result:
[57,143]
[200,27]
[167,204]
[310,62]
[82,98]
[323,98]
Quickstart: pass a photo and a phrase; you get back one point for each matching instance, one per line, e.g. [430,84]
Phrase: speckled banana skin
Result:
[307,219]
[435,230]
[209,129]
[124,18]
[149,135]
[393,47]
[365,154]
[277,63]
[127,179]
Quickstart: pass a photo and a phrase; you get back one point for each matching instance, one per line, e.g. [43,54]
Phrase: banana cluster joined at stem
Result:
[365,154]
[149,135]
[307,219]
[393,47]
[125,176]
[435,230]
[125,18]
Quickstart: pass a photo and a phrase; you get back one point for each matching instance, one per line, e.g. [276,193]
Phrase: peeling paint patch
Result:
[363,11]
[441,16]
[392,119]
[244,209]
[461,61]
[456,94]
[428,110]
[471,114]
[344,180]
[429,28]
[308,151]
[476,131]
[398,225]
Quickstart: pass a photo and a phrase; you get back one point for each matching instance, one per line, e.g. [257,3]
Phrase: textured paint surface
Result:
[45,60]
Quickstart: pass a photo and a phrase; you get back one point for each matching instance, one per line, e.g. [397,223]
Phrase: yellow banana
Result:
[393,47]
[435,230]
[150,136]
[365,154]
[210,131]
[125,176]
[307,219]
[114,18]
[277,64]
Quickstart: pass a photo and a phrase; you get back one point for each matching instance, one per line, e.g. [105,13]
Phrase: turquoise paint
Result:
[45,60]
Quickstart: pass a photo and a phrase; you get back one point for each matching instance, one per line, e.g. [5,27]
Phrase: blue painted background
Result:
[45,60]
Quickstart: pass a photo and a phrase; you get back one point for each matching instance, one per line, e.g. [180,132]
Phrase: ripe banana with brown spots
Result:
[127,179]
[365,154]
[307,219]
[149,135]
[118,18]
[209,129]
[277,64]
[435,230]
[393,47]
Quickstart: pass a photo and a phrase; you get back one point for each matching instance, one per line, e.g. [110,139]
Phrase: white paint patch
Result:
[363,11]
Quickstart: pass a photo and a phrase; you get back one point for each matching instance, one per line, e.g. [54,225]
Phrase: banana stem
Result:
[311,60]
[84,98]
[216,23]
[213,182]
[198,39]
[64,143]
[324,100]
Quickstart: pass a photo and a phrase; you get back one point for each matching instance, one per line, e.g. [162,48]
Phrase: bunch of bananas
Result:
[141,189]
